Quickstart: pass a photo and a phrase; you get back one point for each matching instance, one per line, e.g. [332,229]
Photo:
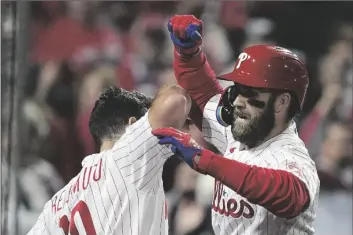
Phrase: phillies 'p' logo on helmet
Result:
[265,66]
[242,57]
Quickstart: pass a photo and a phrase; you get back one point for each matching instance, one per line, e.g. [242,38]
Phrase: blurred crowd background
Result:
[73,50]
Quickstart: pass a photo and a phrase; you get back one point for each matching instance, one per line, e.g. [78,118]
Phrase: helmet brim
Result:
[231,77]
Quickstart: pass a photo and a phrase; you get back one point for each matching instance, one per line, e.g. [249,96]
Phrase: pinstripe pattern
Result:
[125,198]
[286,152]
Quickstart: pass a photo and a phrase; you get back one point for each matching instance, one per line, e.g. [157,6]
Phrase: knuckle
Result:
[186,22]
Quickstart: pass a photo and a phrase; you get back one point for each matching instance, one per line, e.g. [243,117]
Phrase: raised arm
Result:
[196,76]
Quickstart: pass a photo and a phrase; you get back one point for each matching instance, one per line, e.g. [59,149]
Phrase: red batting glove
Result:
[184,138]
[182,29]
[185,147]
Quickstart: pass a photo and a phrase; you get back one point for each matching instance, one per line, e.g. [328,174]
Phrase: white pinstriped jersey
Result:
[119,191]
[232,214]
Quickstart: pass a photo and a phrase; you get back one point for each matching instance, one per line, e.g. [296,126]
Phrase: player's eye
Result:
[247,92]
[256,103]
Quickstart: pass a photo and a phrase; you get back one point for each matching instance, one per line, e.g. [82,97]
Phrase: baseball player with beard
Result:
[265,180]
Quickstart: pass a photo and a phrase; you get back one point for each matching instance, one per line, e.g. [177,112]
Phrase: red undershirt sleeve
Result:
[279,191]
[196,76]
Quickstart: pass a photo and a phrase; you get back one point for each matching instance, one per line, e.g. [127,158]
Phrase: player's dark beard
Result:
[253,132]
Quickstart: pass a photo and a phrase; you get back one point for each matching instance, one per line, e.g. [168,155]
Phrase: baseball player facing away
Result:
[265,180]
[120,190]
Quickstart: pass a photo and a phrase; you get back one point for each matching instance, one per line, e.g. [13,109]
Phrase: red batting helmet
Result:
[264,66]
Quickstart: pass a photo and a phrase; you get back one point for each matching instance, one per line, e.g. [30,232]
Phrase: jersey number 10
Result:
[82,209]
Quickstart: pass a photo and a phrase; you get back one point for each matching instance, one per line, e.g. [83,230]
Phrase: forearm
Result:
[280,192]
[196,76]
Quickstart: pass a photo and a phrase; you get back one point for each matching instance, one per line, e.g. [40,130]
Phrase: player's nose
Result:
[240,102]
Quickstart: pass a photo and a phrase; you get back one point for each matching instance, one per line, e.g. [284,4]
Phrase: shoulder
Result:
[288,148]
[143,124]
[140,130]
[292,150]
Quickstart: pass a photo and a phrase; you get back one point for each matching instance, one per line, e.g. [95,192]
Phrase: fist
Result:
[185,31]
[181,143]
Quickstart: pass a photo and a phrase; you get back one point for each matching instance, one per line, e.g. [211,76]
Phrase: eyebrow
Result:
[262,90]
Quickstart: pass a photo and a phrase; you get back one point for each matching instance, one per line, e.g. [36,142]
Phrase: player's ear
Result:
[132,120]
[282,101]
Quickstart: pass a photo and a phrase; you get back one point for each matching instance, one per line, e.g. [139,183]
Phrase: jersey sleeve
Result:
[297,161]
[139,156]
[42,225]
[212,131]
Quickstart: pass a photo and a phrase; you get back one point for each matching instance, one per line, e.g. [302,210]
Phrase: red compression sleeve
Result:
[279,191]
[196,76]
